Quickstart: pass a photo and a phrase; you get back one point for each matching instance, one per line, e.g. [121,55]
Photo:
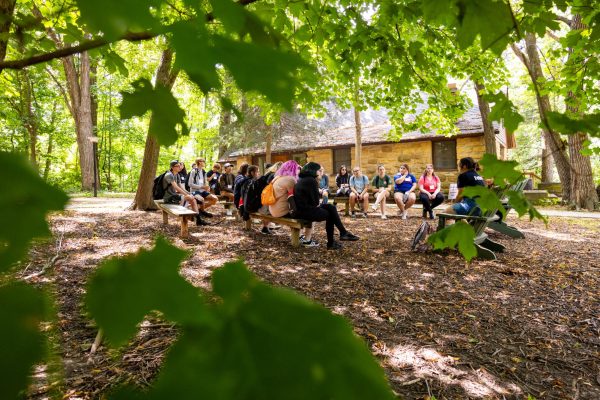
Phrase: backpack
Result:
[267,197]
[238,189]
[252,194]
[158,191]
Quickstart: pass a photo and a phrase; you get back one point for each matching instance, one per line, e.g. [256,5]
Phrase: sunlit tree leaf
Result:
[504,110]
[459,235]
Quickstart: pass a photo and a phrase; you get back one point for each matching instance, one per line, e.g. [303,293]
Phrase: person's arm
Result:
[438,187]
[422,185]
[178,188]
[366,182]
[400,179]
[326,182]
[351,185]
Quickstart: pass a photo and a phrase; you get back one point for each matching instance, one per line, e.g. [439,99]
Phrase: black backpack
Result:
[253,192]
[238,189]
[158,191]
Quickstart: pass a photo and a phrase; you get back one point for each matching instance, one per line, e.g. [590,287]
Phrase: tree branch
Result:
[520,55]
[563,19]
[92,44]
[552,35]
[62,90]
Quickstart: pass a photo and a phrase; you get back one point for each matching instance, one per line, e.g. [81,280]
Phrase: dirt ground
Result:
[526,324]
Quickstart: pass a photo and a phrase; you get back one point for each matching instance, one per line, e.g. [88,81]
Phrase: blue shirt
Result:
[359,184]
[405,186]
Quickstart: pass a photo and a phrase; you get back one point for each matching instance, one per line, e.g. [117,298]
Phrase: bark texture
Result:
[165,76]
[488,129]
[358,138]
[7,8]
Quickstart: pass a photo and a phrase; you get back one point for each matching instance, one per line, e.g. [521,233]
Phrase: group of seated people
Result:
[310,187]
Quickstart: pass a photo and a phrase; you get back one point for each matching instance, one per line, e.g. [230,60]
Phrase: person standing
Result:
[382,184]
[430,194]
[404,189]
[306,195]
[359,193]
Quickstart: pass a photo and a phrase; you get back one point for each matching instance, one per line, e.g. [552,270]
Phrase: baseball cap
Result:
[227,165]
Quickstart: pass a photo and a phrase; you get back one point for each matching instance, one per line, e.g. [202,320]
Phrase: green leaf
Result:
[502,172]
[115,17]
[491,20]
[115,63]
[486,198]
[124,290]
[504,109]
[166,113]
[22,310]
[563,123]
[23,213]
[270,344]
[458,234]
[265,69]
[232,14]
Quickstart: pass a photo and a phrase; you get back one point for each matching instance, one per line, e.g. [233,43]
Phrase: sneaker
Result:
[349,236]
[302,237]
[384,216]
[374,207]
[229,213]
[266,231]
[205,214]
[404,215]
[200,221]
[364,215]
[352,214]
[334,246]
[309,243]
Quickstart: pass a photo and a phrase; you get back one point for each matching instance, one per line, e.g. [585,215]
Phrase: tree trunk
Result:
[488,129]
[224,130]
[269,144]
[7,8]
[143,196]
[557,147]
[547,162]
[358,138]
[582,181]
[48,158]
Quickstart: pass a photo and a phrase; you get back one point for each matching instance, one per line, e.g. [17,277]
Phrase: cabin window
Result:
[341,157]
[444,154]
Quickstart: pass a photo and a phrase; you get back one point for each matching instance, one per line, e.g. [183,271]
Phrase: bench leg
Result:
[248,224]
[347,209]
[484,253]
[506,229]
[184,226]
[165,217]
[295,237]
[491,245]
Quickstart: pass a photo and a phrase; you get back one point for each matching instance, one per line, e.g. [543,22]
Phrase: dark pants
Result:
[429,205]
[327,213]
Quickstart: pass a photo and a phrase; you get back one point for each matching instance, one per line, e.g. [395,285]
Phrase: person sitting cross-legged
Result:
[404,189]
[306,194]
[381,189]
[175,193]
[359,191]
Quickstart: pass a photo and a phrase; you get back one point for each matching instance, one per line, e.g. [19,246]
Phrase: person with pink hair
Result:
[283,183]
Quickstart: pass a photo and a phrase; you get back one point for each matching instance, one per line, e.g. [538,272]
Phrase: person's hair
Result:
[406,166]
[217,166]
[467,162]
[243,169]
[267,165]
[425,172]
[273,168]
[252,169]
[340,171]
[380,166]
[310,169]
[199,160]
[288,168]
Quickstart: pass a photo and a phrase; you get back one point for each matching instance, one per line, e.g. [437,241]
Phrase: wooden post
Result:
[347,208]
[295,237]
[165,217]
[184,226]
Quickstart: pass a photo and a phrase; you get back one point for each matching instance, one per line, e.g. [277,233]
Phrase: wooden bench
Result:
[485,246]
[178,211]
[294,224]
[227,205]
[345,200]
[500,225]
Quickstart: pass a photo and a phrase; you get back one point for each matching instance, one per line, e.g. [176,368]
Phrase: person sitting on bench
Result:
[468,177]
[359,191]
[323,180]
[404,190]
[283,183]
[198,184]
[342,181]
[381,189]
[226,182]
[429,191]
[175,193]
[306,195]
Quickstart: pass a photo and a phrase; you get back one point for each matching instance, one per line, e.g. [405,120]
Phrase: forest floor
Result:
[525,324]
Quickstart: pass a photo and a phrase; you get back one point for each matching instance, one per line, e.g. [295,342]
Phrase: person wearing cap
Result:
[175,192]
[226,182]
[198,183]
[306,196]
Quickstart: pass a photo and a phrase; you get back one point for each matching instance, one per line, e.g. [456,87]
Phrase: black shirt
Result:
[469,178]
[306,193]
